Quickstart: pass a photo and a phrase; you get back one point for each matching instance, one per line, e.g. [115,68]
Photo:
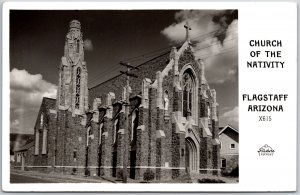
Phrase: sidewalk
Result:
[60,178]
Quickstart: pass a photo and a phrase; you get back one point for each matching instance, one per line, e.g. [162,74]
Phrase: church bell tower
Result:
[72,91]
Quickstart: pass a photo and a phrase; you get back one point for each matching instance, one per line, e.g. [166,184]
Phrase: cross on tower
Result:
[188,28]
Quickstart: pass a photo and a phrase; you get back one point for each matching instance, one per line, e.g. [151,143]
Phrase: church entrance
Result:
[191,157]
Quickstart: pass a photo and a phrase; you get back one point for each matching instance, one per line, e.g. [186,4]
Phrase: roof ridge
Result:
[234,129]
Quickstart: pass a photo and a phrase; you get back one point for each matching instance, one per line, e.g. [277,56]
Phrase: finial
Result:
[188,28]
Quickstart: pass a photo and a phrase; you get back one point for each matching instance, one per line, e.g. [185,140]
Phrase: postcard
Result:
[149,97]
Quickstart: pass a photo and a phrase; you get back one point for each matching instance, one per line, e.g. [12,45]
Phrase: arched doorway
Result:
[191,157]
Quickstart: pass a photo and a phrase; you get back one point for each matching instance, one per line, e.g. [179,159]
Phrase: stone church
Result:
[170,120]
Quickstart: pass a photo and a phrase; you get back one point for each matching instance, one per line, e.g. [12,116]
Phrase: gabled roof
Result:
[230,127]
[138,66]
[25,147]
[47,104]
[180,50]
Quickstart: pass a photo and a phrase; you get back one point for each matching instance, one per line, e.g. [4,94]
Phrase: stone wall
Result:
[70,138]
[157,138]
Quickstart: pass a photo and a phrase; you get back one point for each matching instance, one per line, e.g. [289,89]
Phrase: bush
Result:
[234,172]
[120,175]
[186,178]
[74,170]
[149,175]
[87,172]
[208,180]
[231,173]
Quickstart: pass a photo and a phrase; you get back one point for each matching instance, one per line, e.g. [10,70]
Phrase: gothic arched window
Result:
[61,89]
[209,114]
[88,135]
[188,89]
[77,46]
[100,132]
[134,125]
[77,96]
[166,101]
[116,129]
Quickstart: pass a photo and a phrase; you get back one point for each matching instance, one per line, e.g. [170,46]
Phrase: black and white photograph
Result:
[149,96]
[124,96]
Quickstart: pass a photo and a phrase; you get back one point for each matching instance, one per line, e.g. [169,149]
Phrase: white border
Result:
[241,186]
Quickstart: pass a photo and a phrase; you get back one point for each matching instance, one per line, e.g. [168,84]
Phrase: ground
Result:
[18,176]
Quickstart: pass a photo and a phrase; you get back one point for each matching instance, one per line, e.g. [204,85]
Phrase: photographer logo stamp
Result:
[266,151]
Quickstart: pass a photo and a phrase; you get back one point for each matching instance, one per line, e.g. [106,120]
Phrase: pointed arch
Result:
[189,84]
[192,157]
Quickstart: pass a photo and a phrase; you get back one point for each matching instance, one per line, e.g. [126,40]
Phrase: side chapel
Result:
[173,118]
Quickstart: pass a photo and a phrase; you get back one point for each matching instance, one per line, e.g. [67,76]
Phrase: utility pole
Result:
[125,155]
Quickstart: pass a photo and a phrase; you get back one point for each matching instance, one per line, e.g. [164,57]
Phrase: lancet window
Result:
[116,129]
[77,96]
[188,89]
[134,124]
[77,46]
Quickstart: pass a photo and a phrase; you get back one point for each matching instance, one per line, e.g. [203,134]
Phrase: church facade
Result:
[169,125]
